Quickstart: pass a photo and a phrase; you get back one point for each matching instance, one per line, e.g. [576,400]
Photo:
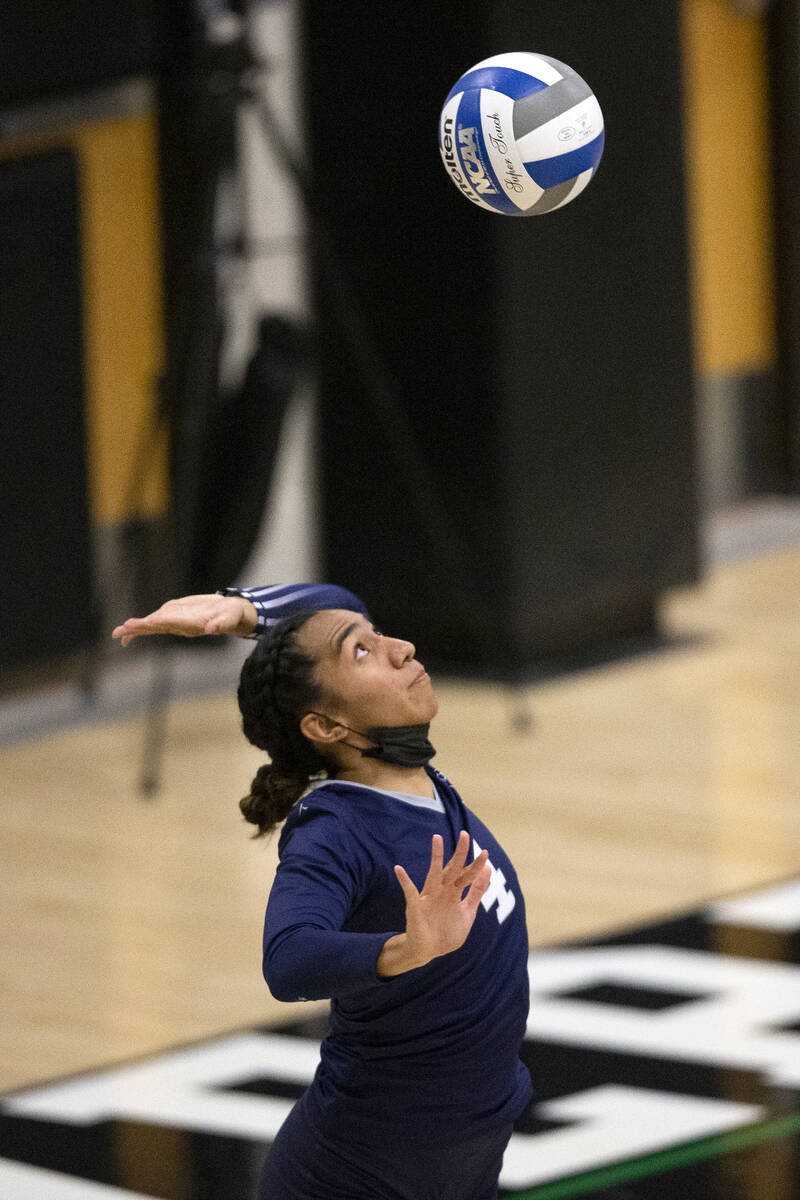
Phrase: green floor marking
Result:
[662,1161]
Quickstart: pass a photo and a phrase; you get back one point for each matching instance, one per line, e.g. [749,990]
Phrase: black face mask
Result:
[402,745]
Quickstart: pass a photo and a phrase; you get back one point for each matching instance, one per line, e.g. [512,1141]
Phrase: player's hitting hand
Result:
[439,918]
[193,616]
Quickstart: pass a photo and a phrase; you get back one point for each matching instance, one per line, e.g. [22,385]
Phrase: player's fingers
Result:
[147,626]
[478,889]
[460,853]
[130,629]
[409,891]
[170,618]
[472,872]
[125,627]
[435,873]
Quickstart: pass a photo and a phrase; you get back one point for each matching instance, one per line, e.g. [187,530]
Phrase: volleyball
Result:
[521,134]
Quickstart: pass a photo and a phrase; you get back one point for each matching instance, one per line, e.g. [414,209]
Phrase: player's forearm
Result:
[315,964]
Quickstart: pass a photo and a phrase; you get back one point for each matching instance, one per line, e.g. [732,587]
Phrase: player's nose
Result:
[401,652]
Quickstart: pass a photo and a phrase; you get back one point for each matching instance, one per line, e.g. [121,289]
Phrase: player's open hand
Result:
[193,616]
[439,917]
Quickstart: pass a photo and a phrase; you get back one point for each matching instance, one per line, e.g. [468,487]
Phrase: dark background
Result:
[541,366]
[544,363]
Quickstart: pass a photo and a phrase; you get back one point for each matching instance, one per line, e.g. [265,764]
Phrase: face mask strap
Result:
[348,727]
[401,745]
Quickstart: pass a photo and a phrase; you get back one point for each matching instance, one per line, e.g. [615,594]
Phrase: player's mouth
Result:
[423,674]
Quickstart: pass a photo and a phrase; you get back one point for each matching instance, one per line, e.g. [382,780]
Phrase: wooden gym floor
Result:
[643,788]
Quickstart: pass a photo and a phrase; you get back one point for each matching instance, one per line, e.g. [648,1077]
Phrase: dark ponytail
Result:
[276,688]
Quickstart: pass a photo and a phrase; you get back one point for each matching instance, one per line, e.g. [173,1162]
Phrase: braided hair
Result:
[276,688]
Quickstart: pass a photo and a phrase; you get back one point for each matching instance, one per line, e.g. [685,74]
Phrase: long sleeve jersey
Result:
[275,601]
[436,1047]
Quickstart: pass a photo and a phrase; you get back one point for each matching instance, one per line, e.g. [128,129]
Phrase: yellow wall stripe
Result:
[123,317]
[124,307]
[728,171]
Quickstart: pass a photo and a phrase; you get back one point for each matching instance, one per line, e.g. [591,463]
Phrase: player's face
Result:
[369,679]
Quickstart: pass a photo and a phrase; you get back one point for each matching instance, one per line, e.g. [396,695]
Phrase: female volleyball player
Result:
[390,897]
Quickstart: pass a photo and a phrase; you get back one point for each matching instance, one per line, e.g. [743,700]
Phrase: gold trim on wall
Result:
[729,186]
[123,301]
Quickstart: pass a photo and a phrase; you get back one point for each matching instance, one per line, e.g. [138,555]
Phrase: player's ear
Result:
[321,729]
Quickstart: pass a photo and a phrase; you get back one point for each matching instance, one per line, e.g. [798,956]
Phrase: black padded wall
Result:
[48,48]
[45,546]
[544,363]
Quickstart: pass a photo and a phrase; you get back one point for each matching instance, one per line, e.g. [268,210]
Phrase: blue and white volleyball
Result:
[521,134]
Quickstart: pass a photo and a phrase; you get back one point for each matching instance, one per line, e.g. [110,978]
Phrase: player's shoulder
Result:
[321,815]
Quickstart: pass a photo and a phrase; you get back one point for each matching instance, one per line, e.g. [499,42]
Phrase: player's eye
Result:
[361,650]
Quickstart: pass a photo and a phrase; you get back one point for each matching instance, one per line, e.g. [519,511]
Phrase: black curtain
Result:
[49,597]
[48,48]
[544,364]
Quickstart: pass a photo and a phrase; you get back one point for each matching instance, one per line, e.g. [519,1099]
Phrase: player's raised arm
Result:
[193,616]
[241,612]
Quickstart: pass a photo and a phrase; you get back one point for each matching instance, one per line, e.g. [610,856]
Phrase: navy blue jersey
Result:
[433,1048]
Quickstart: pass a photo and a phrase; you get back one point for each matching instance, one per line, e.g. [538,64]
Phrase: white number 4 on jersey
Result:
[497,892]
